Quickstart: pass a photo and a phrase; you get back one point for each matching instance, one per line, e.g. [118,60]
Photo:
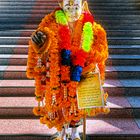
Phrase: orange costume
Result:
[59,64]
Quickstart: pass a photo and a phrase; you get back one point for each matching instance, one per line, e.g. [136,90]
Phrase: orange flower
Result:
[36,111]
[53,91]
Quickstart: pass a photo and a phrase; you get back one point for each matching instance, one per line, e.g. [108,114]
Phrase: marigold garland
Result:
[31,63]
[52,79]
[87,36]
[87,40]
[60,17]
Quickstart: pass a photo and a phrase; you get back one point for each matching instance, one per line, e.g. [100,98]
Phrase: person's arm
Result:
[38,44]
[100,49]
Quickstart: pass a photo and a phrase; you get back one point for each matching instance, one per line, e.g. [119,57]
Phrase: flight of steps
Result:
[121,20]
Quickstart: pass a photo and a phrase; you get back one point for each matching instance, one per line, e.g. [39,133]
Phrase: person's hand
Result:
[38,38]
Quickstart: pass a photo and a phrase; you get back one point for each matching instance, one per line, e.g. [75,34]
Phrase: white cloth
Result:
[75,133]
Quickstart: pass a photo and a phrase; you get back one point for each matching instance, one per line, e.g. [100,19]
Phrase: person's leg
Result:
[62,134]
[59,135]
[75,134]
[74,130]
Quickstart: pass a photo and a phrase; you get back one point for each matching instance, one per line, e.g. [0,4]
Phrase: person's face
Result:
[72,9]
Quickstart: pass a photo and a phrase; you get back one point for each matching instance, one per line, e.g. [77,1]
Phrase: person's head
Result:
[72,9]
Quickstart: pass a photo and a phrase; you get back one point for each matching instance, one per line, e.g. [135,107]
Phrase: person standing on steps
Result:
[67,44]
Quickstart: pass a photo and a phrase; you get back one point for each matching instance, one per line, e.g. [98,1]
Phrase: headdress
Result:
[71,2]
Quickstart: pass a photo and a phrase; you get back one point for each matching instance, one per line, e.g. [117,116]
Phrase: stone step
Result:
[106,7]
[20,15]
[36,21]
[21,107]
[14,40]
[13,72]
[113,49]
[16,33]
[14,49]
[55,2]
[122,27]
[9,59]
[51,8]
[122,33]
[115,12]
[28,32]
[112,72]
[114,21]
[21,4]
[104,129]
[124,49]
[110,33]
[110,5]
[115,1]
[117,17]
[18,26]
[30,26]
[129,25]
[118,4]
[111,40]
[13,59]
[123,40]
[123,60]
[49,4]
[90,1]
[123,72]
[25,88]
[96,12]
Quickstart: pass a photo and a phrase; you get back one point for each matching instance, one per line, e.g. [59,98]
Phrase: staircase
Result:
[121,19]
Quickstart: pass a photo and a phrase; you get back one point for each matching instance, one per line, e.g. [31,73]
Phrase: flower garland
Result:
[31,63]
[73,61]
[99,51]
[80,56]
[55,81]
